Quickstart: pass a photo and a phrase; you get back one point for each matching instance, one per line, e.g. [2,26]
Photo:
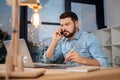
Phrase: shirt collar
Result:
[78,35]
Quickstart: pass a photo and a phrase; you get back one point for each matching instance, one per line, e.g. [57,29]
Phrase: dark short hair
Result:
[72,15]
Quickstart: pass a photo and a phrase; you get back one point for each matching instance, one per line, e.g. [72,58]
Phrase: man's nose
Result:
[62,28]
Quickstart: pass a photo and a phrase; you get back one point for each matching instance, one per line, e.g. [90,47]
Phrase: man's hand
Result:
[57,35]
[74,56]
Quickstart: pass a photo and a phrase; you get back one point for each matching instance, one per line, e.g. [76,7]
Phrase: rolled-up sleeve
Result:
[97,52]
[103,61]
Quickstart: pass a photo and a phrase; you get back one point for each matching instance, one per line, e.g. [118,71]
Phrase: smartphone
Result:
[61,32]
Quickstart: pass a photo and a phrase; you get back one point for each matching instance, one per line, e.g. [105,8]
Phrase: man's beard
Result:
[70,34]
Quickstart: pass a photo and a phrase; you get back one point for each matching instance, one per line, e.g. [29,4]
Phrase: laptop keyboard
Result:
[52,66]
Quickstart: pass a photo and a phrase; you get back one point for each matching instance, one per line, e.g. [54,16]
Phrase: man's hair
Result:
[71,15]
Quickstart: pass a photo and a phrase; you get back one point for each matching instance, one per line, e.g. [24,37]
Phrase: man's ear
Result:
[77,23]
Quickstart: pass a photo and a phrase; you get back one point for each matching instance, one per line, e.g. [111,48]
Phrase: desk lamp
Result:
[14,63]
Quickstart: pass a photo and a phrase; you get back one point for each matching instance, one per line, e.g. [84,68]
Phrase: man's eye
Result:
[66,24]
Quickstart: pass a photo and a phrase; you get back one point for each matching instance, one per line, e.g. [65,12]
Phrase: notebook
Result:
[83,69]
[27,59]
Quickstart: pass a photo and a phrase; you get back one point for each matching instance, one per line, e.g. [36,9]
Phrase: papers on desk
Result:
[83,69]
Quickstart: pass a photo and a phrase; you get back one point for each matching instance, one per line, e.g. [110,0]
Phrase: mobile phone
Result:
[61,32]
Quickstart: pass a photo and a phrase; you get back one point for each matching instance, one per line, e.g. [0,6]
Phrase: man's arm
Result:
[97,52]
[50,50]
[76,57]
[55,39]
[89,62]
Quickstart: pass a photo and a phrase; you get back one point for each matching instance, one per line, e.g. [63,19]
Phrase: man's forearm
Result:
[50,50]
[90,62]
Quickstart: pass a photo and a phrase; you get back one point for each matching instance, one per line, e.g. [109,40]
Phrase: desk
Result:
[62,74]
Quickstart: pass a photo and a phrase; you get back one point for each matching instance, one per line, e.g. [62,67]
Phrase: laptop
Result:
[27,59]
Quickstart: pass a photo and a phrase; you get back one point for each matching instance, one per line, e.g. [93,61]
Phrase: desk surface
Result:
[62,74]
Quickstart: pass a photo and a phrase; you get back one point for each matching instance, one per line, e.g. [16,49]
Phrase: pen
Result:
[71,51]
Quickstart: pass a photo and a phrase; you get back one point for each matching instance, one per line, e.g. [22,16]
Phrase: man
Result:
[75,46]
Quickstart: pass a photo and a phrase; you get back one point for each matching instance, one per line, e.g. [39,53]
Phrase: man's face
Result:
[68,27]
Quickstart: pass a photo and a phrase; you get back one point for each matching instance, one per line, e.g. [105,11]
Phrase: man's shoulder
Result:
[88,35]
[85,34]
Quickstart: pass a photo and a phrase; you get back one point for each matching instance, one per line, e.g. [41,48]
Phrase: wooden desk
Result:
[62,74]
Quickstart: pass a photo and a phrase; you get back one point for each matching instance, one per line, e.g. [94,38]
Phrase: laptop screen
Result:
[23,50]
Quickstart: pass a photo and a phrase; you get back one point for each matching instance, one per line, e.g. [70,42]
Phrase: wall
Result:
[5,17]
[112,13]
[86,15]
[50,11]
